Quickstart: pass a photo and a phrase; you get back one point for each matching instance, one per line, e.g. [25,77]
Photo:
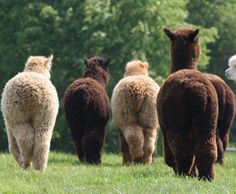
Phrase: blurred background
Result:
[121,29]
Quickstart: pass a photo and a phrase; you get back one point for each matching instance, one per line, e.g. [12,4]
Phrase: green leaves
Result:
[71,30]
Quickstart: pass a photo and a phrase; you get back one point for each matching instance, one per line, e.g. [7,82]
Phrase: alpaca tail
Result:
[133,135]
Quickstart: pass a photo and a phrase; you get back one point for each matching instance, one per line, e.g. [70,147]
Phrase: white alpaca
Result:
[133,105]
[29,106]
[230,73]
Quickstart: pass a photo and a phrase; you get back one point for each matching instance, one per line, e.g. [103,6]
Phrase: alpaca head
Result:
[97,68]
[39,64]
[136,68]
[185,48]
[230,73]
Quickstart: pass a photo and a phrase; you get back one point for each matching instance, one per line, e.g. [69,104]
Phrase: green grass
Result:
[65,174]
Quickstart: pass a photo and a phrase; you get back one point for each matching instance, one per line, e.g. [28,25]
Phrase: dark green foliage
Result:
[71,30]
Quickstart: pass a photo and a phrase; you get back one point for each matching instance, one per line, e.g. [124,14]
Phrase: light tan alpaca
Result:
[29,106]
[133,105]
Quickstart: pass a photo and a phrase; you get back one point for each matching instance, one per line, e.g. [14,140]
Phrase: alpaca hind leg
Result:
[220,150]
[42,141]
[206,154]
[24,134]
[79,149]
[127,158]
[182,149]
[13,147]
[133,135]
[224,125]
[150,136]
[168,155]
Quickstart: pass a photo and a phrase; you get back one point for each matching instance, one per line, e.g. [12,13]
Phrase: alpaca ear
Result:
[106,62]
[86,61]
[29,58]
[194,36]
[48,63]
[143,64]
[170,34]
[146,64]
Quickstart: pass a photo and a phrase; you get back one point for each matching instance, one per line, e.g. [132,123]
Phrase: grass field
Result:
[65,174]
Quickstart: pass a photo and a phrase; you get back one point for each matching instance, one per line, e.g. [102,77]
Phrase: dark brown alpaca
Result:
[87,110]
[226,99]
[188,110]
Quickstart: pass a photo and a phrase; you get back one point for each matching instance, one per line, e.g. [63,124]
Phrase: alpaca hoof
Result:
[148,160]
[138,160]
[25,165]
[206,178]
[220,161]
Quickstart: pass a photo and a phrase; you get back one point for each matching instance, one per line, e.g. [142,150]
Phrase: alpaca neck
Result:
[178,64]
[99,78]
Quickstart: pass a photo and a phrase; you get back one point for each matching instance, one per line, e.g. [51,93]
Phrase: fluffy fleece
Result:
[87,110]
[230,73]
[133,105]
[29,106]
[187,107]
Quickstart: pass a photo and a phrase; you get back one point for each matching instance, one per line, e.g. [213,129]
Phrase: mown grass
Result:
[65,174]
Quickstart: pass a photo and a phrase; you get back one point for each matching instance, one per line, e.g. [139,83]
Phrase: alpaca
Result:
[226,103]
[187,107]
[230,73]
[86,107]
[133,105]
[29,106]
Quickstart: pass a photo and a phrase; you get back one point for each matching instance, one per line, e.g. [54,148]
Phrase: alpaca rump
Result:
[133,105]
[29,106]
[187,107]
[86,106]
[226,103]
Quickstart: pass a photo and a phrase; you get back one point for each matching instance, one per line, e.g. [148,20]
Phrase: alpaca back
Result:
[26,95]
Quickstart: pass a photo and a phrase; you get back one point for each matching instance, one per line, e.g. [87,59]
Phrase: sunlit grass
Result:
[65,174]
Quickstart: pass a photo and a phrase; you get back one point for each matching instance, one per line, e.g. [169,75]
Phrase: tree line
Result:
[122,30]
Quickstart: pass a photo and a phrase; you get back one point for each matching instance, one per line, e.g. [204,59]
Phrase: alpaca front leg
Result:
[150,136]
[42,141]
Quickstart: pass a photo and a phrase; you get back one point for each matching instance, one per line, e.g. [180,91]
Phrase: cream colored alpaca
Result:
[133,105]
[29,106]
